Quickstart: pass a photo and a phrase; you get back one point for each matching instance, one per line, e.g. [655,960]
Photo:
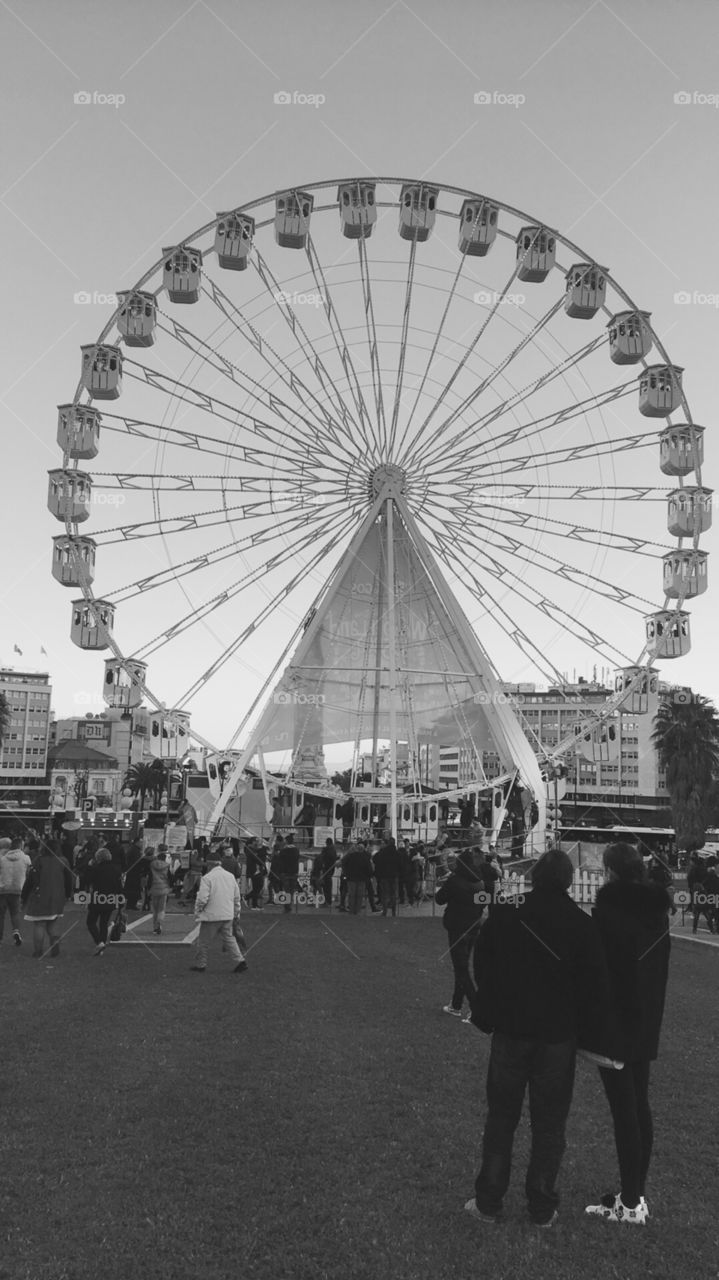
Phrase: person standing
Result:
[357,866]
[106,895]
[542,990]
[289,870]
[160,886]
[256,860]
[14,867]
[48,885]
[405,874]
[387,869]
[632,915]
[462,919]
[323,870]
[217,907]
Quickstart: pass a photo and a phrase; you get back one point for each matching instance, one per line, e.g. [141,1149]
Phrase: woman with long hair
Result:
[48,885]
[632,915]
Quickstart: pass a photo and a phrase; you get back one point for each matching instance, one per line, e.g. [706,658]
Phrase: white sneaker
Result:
[612,1209]
[447,1008]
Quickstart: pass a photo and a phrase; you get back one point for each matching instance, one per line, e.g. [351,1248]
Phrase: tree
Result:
[144,778]
[342,780]
[4,716]
[686,736]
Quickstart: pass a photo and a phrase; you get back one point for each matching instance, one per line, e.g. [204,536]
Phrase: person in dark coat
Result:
[405,874]
[542,990]
[357,866]
[49,883]
[133,877]
[323,870]
[632,915]
[463,892]
[256,861]
[106,895]
[387,871]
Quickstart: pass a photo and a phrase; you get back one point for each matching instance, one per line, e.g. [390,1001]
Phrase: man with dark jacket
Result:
[387,871]
[542,989]
[357,866]
[289,868]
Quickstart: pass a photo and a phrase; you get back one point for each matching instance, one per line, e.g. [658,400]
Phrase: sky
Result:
[601,122]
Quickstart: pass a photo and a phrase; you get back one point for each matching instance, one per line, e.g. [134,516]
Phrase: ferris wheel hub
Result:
[381,475]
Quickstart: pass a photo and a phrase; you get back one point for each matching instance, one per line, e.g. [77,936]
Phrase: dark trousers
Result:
[548,1069]
[628,1095]
[461,947]
[257,881]
[10,902]
[98,919]
[370,895]
[388,896]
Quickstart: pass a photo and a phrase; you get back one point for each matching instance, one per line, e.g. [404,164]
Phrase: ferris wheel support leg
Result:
[392,638]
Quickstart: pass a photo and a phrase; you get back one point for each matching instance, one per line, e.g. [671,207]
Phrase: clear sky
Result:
[583,131]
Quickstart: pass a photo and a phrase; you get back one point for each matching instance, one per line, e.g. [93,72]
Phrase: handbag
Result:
[119,926]
[238,935]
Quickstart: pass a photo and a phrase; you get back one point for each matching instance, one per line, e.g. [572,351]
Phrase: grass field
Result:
[318,1117]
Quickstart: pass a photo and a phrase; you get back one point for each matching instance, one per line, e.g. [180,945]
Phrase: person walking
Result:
[217,906]
[106,895]
[14,867]
[133,876]
[160,886]
[462,892]
[632,915]
[48,885]
[387,871]
[357,866]
[289,870]
[542,990]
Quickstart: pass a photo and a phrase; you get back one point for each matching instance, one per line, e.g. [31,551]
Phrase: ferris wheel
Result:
[411,378]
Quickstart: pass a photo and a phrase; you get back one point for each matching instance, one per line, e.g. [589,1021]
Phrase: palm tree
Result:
[143,778]
[686,736]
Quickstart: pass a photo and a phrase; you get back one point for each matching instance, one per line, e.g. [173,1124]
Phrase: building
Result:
[23,751]
[83,778]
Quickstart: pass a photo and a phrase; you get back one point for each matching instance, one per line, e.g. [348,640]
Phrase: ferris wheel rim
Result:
[672,605]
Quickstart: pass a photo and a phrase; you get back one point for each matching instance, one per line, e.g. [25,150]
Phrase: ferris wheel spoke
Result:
[305,344]
[520,397]
[578,452]
[406,312]
[563,492]
[554,612]
[160,527]
[481,592]
[554,567]
[221,598]
[278,365]
[528,338]
[343,351]
[325,549]
[207,559]
[402,442]
[219,409]
[544,524]
[371,326]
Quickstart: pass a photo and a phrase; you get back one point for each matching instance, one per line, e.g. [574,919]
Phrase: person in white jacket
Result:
[14,866]
[217,906]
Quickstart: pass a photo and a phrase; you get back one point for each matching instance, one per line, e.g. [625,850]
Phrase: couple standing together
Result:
[550,980]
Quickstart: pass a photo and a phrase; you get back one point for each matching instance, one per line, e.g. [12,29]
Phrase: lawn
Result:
[316,1118]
